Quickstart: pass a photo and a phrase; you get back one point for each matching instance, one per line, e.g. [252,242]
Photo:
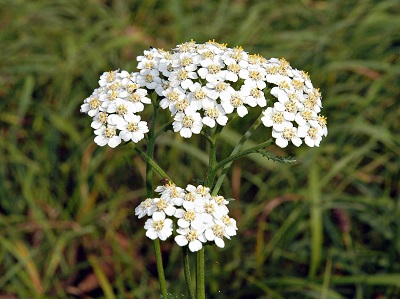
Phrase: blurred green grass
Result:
[327,227]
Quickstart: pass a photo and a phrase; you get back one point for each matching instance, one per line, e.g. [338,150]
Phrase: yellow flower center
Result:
[212,112]
[277,117]
[161,205]
[192,235]
[214,69]
[236,101]
[158,225]
[94,103]
[256,93]
[188,121]
[121,109]
[182,75]
[189,216]
[103,117]
[234,68]
[132,127]
[109,132]
[288,133]
[218,230]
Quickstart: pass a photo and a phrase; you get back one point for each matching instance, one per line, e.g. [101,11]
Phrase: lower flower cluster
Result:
[200,217]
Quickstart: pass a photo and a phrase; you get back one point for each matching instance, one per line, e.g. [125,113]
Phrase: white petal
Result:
[152,234]
[195,245]
[219,242]
[181,240]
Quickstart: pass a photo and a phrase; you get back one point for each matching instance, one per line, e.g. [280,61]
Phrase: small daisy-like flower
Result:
[143,208]
[190,218]
[232,101]
[213,115]
[216,233]
[253,96]
[132,128]
[190,236]
[108,78]
[211,69]
[136,100]
[306,116]
[230,225]
[92,105]
[161,208]
[322,121]
[149,78]
[160,228]
[198,96]
[275,119]
[107,135]
[183,78]
[312,136]
[100,119]
[187,124]
[289,133]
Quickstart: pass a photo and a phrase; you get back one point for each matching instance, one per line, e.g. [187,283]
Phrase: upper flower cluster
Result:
[201,84]
[200,217]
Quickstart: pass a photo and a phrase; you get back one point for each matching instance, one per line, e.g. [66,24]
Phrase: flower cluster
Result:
[200,217]
[201,85]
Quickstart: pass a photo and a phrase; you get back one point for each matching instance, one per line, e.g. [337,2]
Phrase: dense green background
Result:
[326,227]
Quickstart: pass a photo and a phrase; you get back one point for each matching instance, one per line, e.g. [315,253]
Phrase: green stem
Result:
[236,150]
[160,268]
[150,165]
[150,161]
[200,286]
[186,268]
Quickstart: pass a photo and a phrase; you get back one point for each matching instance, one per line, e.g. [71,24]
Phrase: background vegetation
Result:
[326,227]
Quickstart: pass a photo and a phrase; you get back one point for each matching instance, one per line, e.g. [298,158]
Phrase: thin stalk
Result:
[186,269]
[200,286]
[228,161]
[149,190]
[236,150]
[160,268]
[151,162]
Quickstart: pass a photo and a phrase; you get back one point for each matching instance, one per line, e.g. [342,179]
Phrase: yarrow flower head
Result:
[202,85]
[200,217]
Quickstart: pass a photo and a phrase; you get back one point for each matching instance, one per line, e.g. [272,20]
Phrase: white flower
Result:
[183,78]
[253,96]
[107,135]
[192,237]
[174,195]
[214,114]
[137,99]
[232,101]
[275,119]
[216,234]
[312,136]
[99,120]
[149,78]
[289,133]
[92,105]
[143,208]
[306,116]
[107,78]
[230,225]
[211,69]
[160,228]
[131,127]
[322,121]
[190,218]
[172,96]
[187,124]
[255,77]
[198,96]
[219,89]
[161,208]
